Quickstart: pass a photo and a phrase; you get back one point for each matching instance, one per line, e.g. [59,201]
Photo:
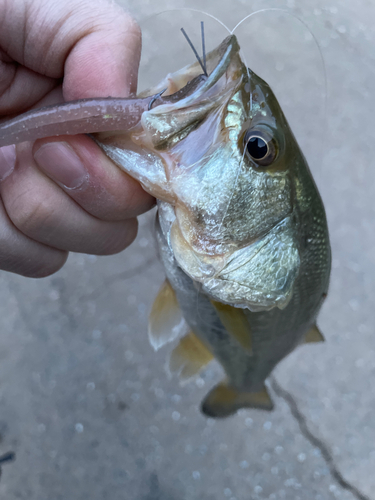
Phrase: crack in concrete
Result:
[314,440]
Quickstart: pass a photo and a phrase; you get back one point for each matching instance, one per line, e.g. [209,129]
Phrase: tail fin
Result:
[223,401]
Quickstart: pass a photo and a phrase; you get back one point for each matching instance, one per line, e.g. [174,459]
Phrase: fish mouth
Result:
[179,87]
[259,276]
[173,115]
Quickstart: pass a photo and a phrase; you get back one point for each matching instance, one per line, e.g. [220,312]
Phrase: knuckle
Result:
[32,214]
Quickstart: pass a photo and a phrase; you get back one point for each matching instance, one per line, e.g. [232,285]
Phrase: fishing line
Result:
[203,64]
[284,11]
[291,14]
[197,11]
[199,161]
[325,84]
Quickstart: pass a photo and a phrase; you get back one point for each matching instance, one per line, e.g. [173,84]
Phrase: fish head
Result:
[226,165]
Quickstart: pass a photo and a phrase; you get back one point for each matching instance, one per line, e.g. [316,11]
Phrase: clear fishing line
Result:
[275,43]
[165,49]
[292,54]
[173,52]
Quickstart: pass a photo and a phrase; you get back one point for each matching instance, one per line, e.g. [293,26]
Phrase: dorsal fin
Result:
[235,322]
[313,335]
[189,356]
[224,400]
[165,322]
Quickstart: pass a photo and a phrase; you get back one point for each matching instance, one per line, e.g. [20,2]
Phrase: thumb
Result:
[93,45]
[105,61]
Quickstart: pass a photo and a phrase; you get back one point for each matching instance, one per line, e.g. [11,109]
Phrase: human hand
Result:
[63,194]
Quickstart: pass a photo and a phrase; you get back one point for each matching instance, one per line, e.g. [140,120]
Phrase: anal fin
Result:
[165,321]
[235,322]
[224,400]
[313,335]
[189,356]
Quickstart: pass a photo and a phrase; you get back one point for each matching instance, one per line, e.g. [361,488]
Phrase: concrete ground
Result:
[85,402]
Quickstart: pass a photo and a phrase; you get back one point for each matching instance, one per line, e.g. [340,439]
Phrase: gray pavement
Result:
[85,402]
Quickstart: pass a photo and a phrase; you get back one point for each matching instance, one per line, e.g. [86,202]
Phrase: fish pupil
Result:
[257,147]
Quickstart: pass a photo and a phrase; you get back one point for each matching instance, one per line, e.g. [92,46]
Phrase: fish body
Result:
[241,227]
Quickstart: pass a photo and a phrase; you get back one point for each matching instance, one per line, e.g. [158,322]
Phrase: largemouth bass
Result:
[241,227]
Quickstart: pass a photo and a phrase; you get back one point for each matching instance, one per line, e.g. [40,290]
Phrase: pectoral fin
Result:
[189,356]
[223,401]
[313,335]
[235,322]
[166,322]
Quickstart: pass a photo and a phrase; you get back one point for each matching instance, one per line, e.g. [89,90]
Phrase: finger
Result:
[22,255]
[87,175]
[43,212]
[94,45]
[20,87]
[105,61]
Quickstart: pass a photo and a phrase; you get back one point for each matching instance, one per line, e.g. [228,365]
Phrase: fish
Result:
[241,227]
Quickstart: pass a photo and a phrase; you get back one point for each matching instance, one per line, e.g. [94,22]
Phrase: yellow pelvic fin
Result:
[189,356]
[223,401]
[314,335]
[235,322]
[165,322]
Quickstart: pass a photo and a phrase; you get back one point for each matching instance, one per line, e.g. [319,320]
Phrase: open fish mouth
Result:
[196,162]
[217,63]
[258,277]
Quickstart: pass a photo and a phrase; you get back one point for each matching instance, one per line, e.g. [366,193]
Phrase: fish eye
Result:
[260,146]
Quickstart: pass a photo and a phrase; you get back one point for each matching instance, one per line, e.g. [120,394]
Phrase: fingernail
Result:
[7,160]
[60,163]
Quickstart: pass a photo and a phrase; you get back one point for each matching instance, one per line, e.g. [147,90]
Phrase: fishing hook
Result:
[156,96]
